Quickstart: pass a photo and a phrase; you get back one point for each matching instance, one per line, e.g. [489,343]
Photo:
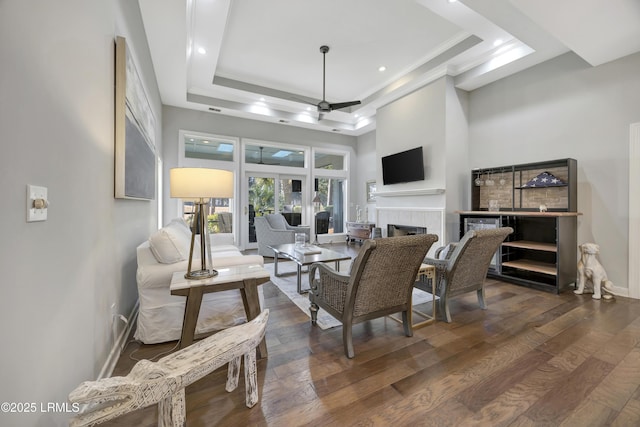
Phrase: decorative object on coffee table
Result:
[164,381]
[199,185]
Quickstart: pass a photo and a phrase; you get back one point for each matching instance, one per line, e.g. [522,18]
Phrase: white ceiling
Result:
[263,62]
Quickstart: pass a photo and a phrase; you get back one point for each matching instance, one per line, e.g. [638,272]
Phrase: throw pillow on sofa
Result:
[171,244]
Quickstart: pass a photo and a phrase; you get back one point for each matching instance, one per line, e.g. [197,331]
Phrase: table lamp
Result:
[199,185]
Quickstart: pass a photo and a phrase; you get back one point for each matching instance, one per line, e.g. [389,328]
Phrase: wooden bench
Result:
[163,382]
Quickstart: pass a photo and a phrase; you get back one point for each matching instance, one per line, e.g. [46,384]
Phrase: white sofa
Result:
[161,314]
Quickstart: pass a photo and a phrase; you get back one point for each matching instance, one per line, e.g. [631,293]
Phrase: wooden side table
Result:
[359,230]
[246,278]
[426,271]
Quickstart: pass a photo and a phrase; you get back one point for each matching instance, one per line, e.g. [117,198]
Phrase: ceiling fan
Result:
[324,106]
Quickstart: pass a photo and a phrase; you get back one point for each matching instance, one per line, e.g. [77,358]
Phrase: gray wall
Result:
[436,118]
[566,108]
[60,277]
[415,120]
[456,157]
[367,166]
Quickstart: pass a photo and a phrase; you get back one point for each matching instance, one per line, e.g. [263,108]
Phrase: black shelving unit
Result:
[542,251]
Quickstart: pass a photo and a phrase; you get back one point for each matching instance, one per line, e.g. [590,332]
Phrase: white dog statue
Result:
[590,270]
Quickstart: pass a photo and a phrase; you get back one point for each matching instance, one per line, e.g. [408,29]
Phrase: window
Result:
[329,161]
[275,156]
[331,192]
[197,146]
[204,150]
[219,215]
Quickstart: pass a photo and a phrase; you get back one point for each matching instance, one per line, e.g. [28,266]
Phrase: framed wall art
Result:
[135,154]
[371,190]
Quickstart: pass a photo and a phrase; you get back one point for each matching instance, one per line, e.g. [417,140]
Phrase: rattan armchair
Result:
[465,266]
[380,283]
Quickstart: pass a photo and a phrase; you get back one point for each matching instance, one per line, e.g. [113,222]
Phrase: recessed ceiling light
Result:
[205,142]
[262,98]
[497,42]
[202,50]
[452,1]
[382,68]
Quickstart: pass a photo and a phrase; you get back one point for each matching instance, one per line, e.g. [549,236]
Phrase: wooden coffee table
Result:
[288,251]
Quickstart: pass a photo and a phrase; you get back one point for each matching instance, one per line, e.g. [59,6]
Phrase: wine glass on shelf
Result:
[489,180]
[478,181]
[502,180]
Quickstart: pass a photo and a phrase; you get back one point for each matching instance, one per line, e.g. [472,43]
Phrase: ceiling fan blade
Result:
[340,105]
[303,100]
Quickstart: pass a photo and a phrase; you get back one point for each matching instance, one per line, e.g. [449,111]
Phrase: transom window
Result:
[208,148]
[275,156]
[328,161]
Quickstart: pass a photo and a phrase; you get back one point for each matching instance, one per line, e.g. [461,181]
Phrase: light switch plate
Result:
[35,192]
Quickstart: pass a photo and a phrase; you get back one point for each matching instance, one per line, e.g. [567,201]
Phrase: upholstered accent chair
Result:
[380,283]
[465,265]
[273,229]
[322,222]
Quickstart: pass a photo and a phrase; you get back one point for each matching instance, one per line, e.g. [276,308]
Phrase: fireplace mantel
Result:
[413,192]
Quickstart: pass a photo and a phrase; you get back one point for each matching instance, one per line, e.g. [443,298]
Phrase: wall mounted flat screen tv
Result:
[406,166]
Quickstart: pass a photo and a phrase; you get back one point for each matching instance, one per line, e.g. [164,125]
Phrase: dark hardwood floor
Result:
[531,359]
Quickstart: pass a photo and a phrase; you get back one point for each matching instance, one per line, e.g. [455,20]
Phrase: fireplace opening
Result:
[394,230]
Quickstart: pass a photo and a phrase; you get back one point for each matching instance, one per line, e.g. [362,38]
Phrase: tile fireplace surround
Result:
[431,218]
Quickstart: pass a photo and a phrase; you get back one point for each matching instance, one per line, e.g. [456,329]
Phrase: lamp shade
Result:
[191,183]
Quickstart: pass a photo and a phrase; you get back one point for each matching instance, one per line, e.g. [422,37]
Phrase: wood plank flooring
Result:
[531,359]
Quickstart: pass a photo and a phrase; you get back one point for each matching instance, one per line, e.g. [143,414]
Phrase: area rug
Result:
[287,284]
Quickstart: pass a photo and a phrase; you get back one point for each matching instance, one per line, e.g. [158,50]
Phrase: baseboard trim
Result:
[118,345]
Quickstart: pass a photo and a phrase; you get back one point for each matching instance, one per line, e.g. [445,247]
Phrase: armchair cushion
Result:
[278,222]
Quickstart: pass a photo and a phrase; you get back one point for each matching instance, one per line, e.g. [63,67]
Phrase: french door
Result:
[266,193]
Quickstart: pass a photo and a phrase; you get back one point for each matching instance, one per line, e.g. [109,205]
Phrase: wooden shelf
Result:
[535,266]
[552,214]
[538,246]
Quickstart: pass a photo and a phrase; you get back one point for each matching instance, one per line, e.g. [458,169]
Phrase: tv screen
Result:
[406,166]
